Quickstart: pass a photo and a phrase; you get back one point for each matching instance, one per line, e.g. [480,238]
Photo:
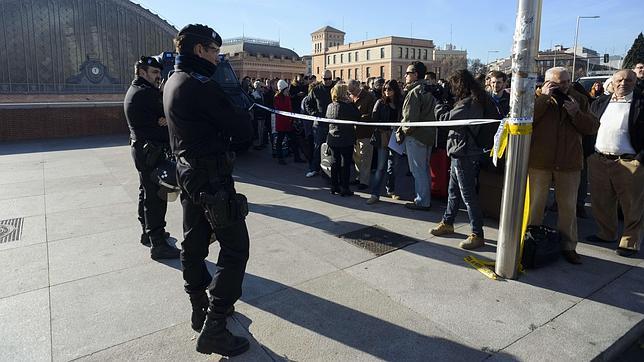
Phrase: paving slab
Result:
[65,184]
[22,189]
[319,320]
[22,207]
[77,222]
[23,269]
[76,199]
[92,314]
[25,333]
[33,232]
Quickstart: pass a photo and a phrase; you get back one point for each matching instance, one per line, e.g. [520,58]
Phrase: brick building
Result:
[387,57]
[258,58]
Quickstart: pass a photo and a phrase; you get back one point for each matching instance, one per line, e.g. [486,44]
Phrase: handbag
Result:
[541,246]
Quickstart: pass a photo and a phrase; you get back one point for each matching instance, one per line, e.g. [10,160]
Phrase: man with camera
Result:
[202,120]
[561,118]
[149,137]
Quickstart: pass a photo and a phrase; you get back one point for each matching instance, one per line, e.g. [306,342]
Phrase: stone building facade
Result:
[386,57]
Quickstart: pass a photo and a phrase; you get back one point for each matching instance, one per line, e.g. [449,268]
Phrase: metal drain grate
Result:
[10,230]
[377,240]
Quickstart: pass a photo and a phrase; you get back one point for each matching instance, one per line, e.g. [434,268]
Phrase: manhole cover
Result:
[10,230]
[377,240]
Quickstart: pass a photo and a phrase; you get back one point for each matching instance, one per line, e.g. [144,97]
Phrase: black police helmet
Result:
[201,31]
[165,175]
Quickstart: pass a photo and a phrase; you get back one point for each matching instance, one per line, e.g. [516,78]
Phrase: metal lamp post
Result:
[574,53]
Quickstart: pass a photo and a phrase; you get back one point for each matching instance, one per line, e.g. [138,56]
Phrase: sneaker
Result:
[311,173]
[442,229]
[393,196]
[164,251]
[372,200]
[625,252]
[415,206]
[472,242]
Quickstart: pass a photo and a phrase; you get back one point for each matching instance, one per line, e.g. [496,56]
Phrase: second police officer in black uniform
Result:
[149,138]
[201,120]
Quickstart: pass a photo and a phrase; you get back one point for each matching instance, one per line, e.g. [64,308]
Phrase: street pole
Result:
[522,94]
[574,53]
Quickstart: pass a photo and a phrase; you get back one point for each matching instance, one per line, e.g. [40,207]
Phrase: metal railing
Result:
[61,88]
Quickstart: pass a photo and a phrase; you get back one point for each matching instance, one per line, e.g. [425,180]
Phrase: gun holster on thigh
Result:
[224,208]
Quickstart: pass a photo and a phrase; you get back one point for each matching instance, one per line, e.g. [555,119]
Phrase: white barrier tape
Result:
[466,122]
[519,120]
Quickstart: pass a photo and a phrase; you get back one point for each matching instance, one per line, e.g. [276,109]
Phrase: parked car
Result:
[588,82]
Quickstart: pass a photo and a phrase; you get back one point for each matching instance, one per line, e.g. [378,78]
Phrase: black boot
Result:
[145,240]
[161,250]
[199,309]
[215,338]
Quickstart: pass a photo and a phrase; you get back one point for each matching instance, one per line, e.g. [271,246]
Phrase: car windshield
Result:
[225,76]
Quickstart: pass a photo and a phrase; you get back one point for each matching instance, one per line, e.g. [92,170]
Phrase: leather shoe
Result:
[625,252]
[597,239]
[571,256]
[145,240]
[164,251]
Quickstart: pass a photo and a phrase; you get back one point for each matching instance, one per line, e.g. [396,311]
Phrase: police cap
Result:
[150,62]
[203,32]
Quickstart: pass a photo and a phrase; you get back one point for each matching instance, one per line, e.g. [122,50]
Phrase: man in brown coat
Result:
[561,117]
[363,150]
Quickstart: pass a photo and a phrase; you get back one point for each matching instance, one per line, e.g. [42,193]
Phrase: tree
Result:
[446,66]
[476,67]
[636,53]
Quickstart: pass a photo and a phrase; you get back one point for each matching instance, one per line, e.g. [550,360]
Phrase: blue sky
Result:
[477,25]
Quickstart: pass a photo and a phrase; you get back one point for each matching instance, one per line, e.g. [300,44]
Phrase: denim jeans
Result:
[392,167]
[418,155]
[462,184]
[379,173]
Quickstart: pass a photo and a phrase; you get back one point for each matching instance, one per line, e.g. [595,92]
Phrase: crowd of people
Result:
[574,131]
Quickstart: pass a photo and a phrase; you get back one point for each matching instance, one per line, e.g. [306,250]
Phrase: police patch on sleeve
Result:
[199,77]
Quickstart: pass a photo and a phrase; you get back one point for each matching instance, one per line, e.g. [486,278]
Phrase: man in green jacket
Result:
[418,106]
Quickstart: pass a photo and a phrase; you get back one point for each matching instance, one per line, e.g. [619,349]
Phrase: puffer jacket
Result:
[419,106]
[556,136]
[283,123]
[342,135]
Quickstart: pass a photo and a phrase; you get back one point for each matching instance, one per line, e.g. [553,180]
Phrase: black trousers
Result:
[341,167]
[225,286]
[151,208]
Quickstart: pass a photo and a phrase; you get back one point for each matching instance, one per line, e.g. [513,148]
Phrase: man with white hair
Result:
[561,118]
[615,171]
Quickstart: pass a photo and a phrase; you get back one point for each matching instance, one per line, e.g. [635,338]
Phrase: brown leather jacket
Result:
[556,136]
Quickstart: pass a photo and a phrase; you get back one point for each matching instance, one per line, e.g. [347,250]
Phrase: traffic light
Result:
[606,58]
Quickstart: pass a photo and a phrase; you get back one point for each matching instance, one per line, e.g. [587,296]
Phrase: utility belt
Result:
[148,154]
[223,207]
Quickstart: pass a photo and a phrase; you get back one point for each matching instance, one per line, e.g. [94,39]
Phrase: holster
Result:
[224,208]
[148,154]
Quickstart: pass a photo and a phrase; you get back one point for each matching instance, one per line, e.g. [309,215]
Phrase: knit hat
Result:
[281,85]
[203,32]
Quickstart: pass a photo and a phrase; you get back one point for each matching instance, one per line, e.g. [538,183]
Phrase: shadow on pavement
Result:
[63,144]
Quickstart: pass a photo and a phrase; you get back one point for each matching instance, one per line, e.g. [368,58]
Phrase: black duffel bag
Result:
[541,246]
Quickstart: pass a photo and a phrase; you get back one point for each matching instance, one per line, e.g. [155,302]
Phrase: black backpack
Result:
[484,138]
[541,246]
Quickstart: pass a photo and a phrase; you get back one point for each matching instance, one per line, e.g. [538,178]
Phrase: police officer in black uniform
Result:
[149,137]
[201,120]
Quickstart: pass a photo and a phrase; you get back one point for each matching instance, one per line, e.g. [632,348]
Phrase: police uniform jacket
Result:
[143,107]
[201,118]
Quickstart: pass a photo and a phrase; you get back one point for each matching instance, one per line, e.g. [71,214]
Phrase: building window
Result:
[355,74]
[425,55]
[406,53]
[318,71]
[382,71]
[368,72]
[349,55]
[334,74]
[382,53]
[333,58]
[413,53]
[400,73]
[400,52]
[349,73]
[328,59]
[356,56]
[341,73]
[341,58]
[368,54]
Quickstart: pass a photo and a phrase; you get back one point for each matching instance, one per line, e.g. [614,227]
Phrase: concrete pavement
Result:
[78,285]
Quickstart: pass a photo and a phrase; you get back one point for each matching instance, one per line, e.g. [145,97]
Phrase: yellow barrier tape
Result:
[524,224]
[520,129]
[482,266]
